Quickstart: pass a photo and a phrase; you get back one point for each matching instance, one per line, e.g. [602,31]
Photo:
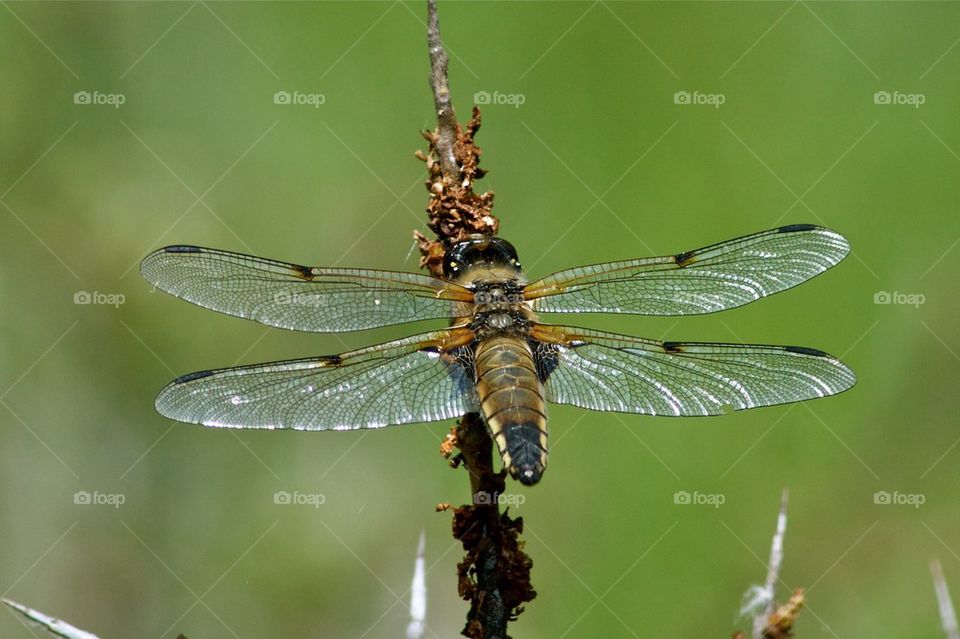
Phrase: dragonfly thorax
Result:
[499,308]
[497,294]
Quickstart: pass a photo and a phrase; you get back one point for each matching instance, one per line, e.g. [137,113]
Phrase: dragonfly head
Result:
[480,251]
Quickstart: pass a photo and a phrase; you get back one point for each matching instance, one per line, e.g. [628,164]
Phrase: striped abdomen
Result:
[511,398]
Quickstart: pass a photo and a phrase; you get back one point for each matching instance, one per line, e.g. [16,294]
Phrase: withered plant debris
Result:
[493,552]
[781,622]
[449,444]
[454,211]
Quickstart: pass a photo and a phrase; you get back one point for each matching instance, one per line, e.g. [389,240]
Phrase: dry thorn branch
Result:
[56,627]
[770,622]
[418,592]
[773,569]
[948,616]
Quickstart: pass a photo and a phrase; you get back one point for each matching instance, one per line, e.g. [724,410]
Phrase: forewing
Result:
[608,372]
[706,280]
[415,379]
[297,297]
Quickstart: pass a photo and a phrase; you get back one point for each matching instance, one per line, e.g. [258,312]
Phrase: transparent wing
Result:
[297,297]
[415,379]
[705,280]
[608,372]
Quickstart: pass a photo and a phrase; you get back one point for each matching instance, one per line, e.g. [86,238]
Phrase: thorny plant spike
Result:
[770,623]
[948,616]
[494,575]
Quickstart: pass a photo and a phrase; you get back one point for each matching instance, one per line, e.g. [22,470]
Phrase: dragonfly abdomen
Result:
[511,398]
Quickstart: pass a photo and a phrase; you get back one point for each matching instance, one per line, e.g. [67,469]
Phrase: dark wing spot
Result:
[672,347]
[189,377]
[791,228]
[180,248]
[304,272]
[684,259]
[803,350]
[461,365]
[331,360]
[544,358]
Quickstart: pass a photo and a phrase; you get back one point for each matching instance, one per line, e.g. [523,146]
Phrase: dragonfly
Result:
[495,356]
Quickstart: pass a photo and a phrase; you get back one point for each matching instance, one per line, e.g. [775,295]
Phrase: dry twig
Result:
[494,575]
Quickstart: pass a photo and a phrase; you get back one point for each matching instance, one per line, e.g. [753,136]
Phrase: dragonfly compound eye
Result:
[479,250]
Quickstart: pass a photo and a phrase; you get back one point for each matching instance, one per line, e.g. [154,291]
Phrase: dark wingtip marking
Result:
[181,248]
[189,377]
[332,360]
[792,228]
[683,259]
[672,347]
[304,272]
[803,350]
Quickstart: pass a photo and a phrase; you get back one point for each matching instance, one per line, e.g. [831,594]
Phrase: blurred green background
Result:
[599,162]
